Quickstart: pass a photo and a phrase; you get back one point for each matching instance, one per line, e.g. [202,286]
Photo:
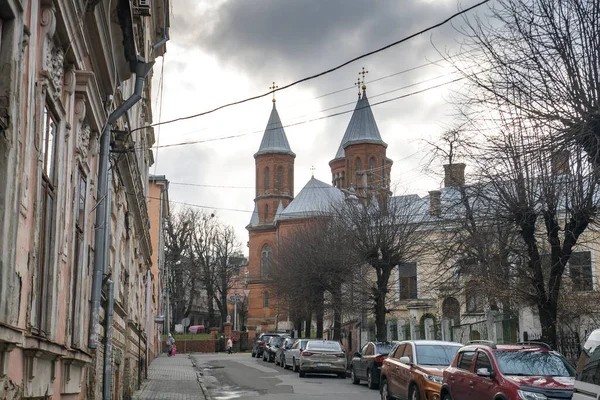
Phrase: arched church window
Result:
[266,212]
[266,257]
[358,166]
[290,178]
[280,177]
[266,299]
[267,178]
[372,167]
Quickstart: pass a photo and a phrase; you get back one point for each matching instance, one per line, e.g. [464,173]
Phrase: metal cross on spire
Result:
[357,84]
[312,170]
[363,73]
[273,90]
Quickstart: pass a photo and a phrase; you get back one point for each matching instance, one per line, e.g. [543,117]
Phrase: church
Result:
[360,163]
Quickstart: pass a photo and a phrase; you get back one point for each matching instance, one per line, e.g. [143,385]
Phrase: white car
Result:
[587,380]
[291,356]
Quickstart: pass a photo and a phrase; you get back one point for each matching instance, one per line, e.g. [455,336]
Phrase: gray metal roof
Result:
[254,219]
[279,211]
[274,139]
[315,198]
[362,127]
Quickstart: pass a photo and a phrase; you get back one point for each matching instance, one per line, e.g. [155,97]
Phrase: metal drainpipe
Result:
[100,259]
[106,381]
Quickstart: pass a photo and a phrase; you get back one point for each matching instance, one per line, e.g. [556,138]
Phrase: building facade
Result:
[68,74]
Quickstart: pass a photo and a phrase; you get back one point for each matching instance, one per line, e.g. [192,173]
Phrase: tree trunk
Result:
[320,316]
[548,322]
[383,277]
[307,326]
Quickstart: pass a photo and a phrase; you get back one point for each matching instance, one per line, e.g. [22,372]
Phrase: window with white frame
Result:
[580,271]
[407,281]
[265,261]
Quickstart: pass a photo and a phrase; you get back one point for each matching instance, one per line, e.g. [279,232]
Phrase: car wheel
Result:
[277,361]
[253,354]
[264,357]
[282,362]
[355,380]
[385,392]
[294,366]
[447,396]
[370,383]
[302,374]
[414,393]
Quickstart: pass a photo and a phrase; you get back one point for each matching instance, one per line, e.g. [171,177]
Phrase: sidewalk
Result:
[171,378]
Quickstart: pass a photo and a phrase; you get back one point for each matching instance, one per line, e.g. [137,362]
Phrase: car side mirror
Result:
[358,355]
[405,360]
[484,372]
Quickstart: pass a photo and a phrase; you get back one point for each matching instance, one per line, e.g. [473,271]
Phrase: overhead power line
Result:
[328,71]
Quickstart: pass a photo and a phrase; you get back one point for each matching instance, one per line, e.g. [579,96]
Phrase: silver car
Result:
[323,356]
[291,356]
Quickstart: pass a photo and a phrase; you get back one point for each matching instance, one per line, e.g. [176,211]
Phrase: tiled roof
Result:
[314,199]
[274,139]
[362,127]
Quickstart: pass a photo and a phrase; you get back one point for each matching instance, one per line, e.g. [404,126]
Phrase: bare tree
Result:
[540,58]
[226,263]
[383,236]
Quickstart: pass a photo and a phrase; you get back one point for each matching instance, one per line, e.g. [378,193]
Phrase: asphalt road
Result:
[239,376]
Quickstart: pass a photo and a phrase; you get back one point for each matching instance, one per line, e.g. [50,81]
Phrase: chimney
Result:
[454,175]
[435,202]
[559,161]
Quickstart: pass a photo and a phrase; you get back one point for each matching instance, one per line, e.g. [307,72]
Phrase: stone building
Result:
[71,73]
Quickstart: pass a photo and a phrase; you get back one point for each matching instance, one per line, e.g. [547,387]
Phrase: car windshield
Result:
[383,348]
[276,340]
[533,363]
[436,354]
[323,346]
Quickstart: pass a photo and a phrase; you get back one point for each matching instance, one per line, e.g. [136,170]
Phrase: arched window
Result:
[279,177]
[474,297]
[267,178]
[266,212]
[343,177]
[451,310]
[358,166]
[372,167]
[266,299]
[266,256]
[291,179]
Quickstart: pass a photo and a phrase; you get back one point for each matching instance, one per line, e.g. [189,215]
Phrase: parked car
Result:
[259,343]
[366,364]
[196,329]
[271,348]
[413,369]
[587,379]
[323,356]
[528,371]
[280,353]
[291,357]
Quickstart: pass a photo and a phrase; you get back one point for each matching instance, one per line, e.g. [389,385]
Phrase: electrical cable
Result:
[330,70]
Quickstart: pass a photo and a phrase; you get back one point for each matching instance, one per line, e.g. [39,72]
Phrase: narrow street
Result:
[239,376]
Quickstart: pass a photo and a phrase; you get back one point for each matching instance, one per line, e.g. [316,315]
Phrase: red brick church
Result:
[360,163]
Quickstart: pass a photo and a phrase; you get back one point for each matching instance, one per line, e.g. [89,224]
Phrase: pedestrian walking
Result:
[229,345]
[170,343]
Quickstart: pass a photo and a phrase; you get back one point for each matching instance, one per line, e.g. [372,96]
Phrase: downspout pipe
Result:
[108,347]
[142,69]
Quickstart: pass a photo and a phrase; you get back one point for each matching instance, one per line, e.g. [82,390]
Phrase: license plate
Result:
[323,364]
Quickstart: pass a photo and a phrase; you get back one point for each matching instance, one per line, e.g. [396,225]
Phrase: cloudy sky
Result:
[227,50]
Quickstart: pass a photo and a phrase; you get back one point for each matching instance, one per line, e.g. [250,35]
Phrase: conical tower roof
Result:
[274,139]
[362,127]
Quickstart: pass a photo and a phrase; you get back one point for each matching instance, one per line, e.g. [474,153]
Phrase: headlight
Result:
[531,395]
[433,378]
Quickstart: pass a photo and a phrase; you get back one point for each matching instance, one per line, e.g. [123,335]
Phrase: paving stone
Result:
[171,378]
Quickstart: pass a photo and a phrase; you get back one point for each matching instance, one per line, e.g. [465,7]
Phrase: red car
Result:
[525,371]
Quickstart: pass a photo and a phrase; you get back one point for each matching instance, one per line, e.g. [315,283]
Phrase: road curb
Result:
[199,375]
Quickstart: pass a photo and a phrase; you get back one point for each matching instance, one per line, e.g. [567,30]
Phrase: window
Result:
[265,261]
[267,178]
[464,360]
[408,352]
[407,279]
[266,212]
[483,361]
[451,310]
[372,167]
[266,299]
[279,178]
[580,271]
[290,178]
[474,297]
[48,149]
[369,350]
[358,166]
[78,258]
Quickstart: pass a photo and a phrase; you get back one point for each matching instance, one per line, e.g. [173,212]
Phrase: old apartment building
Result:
[79,296]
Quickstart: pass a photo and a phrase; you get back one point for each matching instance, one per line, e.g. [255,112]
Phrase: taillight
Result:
[340,355]
[380,359]
[261,342]
[307,353]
